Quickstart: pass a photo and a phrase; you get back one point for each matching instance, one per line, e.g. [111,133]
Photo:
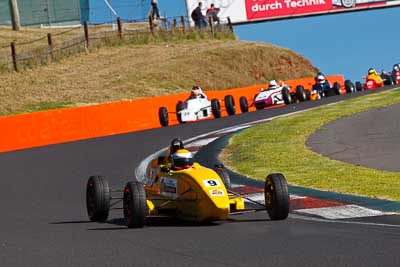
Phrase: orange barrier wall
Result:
[71,124]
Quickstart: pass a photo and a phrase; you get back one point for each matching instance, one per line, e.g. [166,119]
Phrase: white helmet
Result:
[396,68]
[272,84]
[182,159]
[320,78]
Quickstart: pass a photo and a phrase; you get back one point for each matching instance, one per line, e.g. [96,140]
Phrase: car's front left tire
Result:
[287,97]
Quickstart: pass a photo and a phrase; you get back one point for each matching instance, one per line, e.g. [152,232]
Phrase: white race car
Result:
[194,109]
[266,98]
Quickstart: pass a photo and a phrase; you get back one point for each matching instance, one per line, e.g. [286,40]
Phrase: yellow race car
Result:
[177,186]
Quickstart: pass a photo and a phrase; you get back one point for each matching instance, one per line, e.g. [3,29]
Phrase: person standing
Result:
[200,21]
[154,9]
[212,12]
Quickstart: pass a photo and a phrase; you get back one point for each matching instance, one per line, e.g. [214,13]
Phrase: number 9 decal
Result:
[211,183]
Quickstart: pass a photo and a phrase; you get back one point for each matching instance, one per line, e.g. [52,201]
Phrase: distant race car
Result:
[352,3]
[197,194]
[396,77]
[390,78]
[194,109]
[317,91]
[266,98]
[370,84]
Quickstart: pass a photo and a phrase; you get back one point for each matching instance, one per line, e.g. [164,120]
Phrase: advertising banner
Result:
[247,11]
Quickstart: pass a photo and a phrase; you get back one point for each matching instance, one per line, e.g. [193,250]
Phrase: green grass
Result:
[46,105]
[280,146]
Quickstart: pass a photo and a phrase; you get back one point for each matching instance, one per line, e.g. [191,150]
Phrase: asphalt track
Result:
[370,139]
[44,221]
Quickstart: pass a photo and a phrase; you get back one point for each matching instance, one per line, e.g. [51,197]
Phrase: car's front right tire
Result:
[276,194]
[216,108]
[134,205]
[97,198]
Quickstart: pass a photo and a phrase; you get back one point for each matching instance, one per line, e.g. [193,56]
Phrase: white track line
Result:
[201,142]
[341,212]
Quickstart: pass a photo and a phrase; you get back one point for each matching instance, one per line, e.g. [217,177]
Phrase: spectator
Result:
[154,9]
[213,12]
[200,21]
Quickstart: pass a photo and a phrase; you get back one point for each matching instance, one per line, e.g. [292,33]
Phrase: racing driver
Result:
[181,159]
[197,92]
[374,75]
[321,84]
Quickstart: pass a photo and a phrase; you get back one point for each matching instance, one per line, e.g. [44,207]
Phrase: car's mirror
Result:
[165,169]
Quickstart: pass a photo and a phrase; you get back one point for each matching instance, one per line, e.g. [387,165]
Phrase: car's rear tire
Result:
[179,107]
[388,80]
[224,175]
[287,97]
[244,106]
[276,196]
[359,86]
[230,105]
[216,108]
[300,93]
[308,95]
[349,86]
[336,88]
[97,198]
[134,205]
[163,116]
[259,107]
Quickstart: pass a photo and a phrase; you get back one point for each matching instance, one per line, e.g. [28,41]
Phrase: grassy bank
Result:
[125,70]
[280,146]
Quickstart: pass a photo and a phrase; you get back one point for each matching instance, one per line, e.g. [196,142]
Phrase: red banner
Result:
[257,9]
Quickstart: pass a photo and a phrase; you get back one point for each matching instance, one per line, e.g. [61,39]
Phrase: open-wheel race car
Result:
[194,109]
[265,98]
[374,80]
[321,88]
[178,187]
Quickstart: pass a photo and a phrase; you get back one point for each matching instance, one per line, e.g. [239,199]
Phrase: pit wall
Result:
[78,123]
